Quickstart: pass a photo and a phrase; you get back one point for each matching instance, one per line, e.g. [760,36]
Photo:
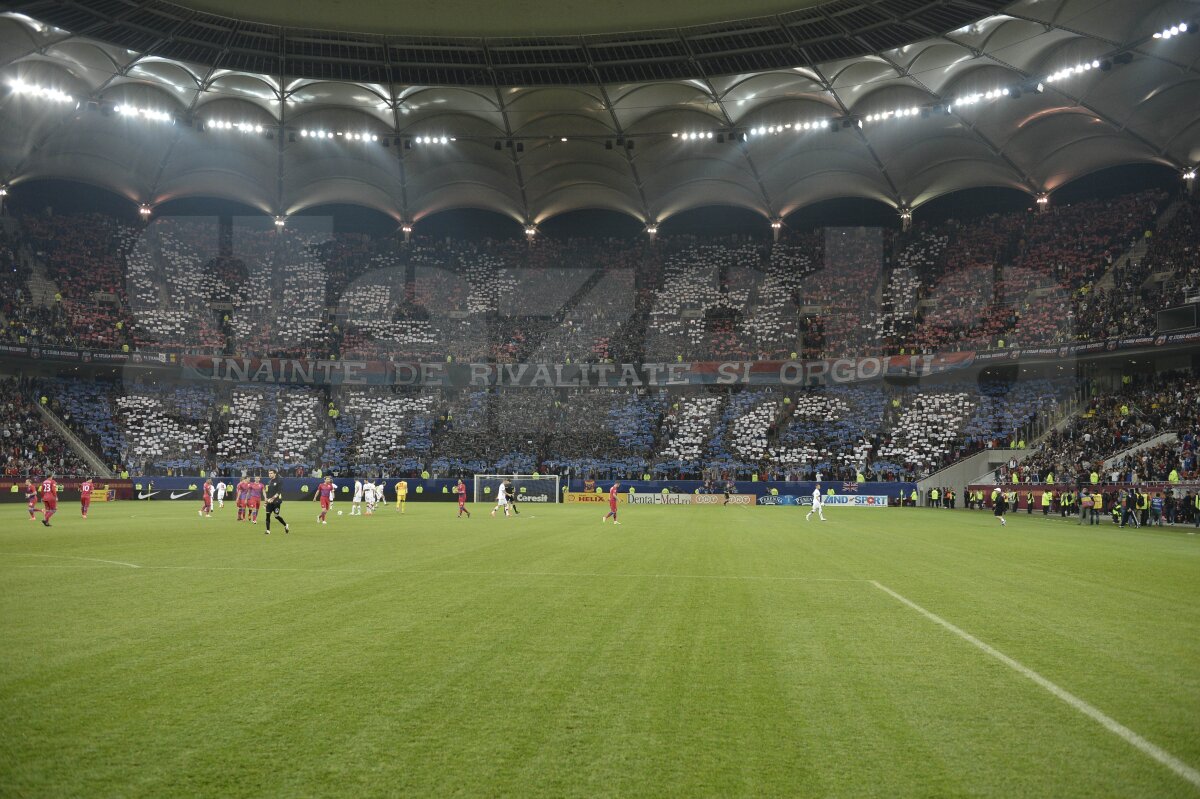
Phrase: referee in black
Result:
[274,496]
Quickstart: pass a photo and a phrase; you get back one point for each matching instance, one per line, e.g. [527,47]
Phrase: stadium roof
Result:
[896,100]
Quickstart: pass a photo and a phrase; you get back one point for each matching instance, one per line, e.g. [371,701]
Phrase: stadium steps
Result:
[972,469]
[1161,438]
[85,454]
[1138,251]
[1168,214]
[576,298]
[1108,280]
[42,289]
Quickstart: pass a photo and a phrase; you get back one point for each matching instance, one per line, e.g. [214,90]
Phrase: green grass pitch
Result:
[689,652]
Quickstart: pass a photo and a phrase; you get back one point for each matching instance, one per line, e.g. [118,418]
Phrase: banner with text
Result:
[568,375]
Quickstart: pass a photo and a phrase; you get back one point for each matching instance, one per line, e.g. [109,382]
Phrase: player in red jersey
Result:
[243,490]
[206,494]
[461,491]
[31,497]
[612,503]
[49,491]
[325,495]
[254,495]
[85,495]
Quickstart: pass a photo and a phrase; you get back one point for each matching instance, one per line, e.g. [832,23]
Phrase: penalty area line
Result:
[1112,725]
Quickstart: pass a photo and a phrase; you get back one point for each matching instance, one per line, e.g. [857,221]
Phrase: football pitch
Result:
[691,651]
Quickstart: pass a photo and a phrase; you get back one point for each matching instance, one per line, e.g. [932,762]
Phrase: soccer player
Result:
[817,505]
[612,503]
[501,499]
[512,498]
[49,498]
[461,491]
[274,493]
[206,499]
[31,497]
[401,495]
[221,489]
[85,495]
[368,496]
[254,494]
[243,492]
[356,503]
[325,493]
[999,506]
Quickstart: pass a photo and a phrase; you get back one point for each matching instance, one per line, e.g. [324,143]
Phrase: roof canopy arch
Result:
[468,121]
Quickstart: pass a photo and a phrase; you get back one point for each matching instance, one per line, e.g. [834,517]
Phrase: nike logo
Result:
[146,494]
[182,494]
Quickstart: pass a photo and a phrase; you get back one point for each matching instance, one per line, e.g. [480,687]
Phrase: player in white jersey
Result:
[817,504]
[369,497]
[221,489]
[501,498]
[356,503]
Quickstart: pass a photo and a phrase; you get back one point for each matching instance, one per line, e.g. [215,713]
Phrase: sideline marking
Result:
[468,573]
[1112,725]
[74,557]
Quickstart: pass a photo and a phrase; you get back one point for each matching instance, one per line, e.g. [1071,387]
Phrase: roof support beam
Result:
[508,133]
[970,128]
[619,130]
[1077,100]
[405,218]
[772,214]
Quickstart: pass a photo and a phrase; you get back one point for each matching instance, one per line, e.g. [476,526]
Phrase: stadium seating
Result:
[924,433]
[28,446]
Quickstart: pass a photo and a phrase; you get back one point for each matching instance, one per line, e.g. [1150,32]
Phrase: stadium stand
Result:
[29,447]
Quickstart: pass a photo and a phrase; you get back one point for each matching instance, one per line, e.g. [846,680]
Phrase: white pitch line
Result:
[521,574]
[74,557]
[1112,725]
[467,573]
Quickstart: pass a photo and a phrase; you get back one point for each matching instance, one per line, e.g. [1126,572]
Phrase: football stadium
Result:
[773,398]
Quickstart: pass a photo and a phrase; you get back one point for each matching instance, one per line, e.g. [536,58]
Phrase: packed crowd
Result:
[29,447]
[185,285]
[874,430]
[1114,422]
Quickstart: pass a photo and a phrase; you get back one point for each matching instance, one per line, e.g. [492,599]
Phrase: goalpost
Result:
[525,488]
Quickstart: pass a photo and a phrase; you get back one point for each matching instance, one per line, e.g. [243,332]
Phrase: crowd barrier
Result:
[1037,489]
[13,489]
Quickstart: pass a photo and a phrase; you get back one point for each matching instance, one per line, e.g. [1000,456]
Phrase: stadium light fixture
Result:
[146,114]
[898,113]
[280,221]
[224,124]
[1174,30]
[1077,69]
[530,231]
[793,127]
[776,224]
[1043,201]
[145,210]
[24,89]
[406,229]
[1189,174]
[652,229]
[3,191]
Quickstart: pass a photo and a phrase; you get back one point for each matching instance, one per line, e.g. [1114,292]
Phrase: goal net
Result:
[525,488]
